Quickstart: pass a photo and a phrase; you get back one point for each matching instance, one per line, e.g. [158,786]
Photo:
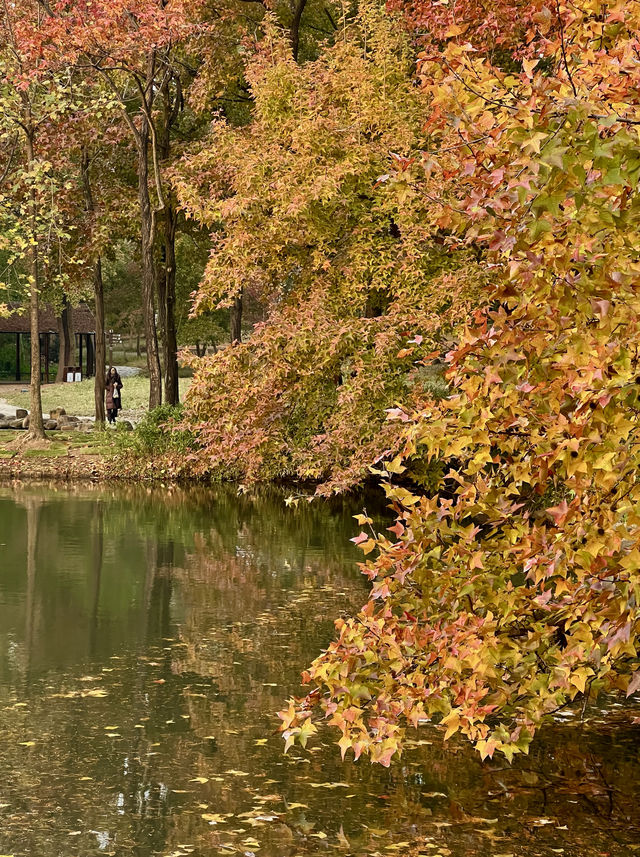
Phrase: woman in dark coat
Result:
[112,386]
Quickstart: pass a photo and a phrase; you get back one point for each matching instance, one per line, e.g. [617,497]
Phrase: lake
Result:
[147,640]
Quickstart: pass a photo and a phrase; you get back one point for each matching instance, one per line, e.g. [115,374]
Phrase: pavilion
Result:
[15,344]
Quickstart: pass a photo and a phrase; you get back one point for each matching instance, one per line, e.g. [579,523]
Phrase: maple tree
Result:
[511,590]
[355,284]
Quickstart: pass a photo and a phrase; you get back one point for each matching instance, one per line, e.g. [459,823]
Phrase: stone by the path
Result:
[21,413]
[128,371]
[51,425]
[16,424]
[56,413]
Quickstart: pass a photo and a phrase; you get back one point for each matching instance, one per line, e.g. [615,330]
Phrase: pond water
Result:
[147,639]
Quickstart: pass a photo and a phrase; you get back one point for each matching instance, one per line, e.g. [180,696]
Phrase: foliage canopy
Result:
[513,589]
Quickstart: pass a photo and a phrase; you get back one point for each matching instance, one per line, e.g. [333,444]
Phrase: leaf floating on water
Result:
[233,773]
[99,692]
[320,835]
[214,817]
[27,743]
[201,780]
[328,785]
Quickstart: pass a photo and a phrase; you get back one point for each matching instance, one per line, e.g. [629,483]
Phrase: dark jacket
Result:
[113,403]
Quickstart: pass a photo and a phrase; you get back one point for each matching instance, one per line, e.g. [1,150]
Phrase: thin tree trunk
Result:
[295,28]
[98,296]
[236,319]
[171,380]
[147,224]
[172,104]
[161,295]
[101,344]
[36,422]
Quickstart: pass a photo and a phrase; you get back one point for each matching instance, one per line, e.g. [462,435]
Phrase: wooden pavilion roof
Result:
[18,322]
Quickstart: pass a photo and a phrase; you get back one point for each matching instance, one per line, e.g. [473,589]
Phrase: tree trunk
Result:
[101,344]
[171,380]
[295,28]
[147,224]
[161,295]
[98,296]
[36,422]
[172,104]
[236,319]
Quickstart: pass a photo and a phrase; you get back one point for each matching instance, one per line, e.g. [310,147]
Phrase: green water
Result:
[147,639]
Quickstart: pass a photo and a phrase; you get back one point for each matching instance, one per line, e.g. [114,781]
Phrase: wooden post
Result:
[81,355]
[18,378]
[90,355]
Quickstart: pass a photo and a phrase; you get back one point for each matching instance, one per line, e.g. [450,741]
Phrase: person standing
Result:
[113,386]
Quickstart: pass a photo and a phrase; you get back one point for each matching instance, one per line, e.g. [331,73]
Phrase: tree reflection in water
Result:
[148,637]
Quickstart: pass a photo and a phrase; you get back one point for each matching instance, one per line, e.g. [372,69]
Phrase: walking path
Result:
[10,410]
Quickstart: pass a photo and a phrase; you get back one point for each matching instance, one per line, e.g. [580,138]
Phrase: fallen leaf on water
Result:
[199,780]
[233,773]
[213,817]
[27,743]
[320,835]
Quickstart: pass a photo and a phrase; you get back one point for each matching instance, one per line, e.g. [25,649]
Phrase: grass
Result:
[78,399]
[62,444]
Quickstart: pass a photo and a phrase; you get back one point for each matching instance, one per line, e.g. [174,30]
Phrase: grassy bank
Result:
[66,455]
[78,398]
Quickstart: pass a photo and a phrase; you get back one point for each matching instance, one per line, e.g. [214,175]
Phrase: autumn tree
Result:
[511,590]
[356,286]
[31,98]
